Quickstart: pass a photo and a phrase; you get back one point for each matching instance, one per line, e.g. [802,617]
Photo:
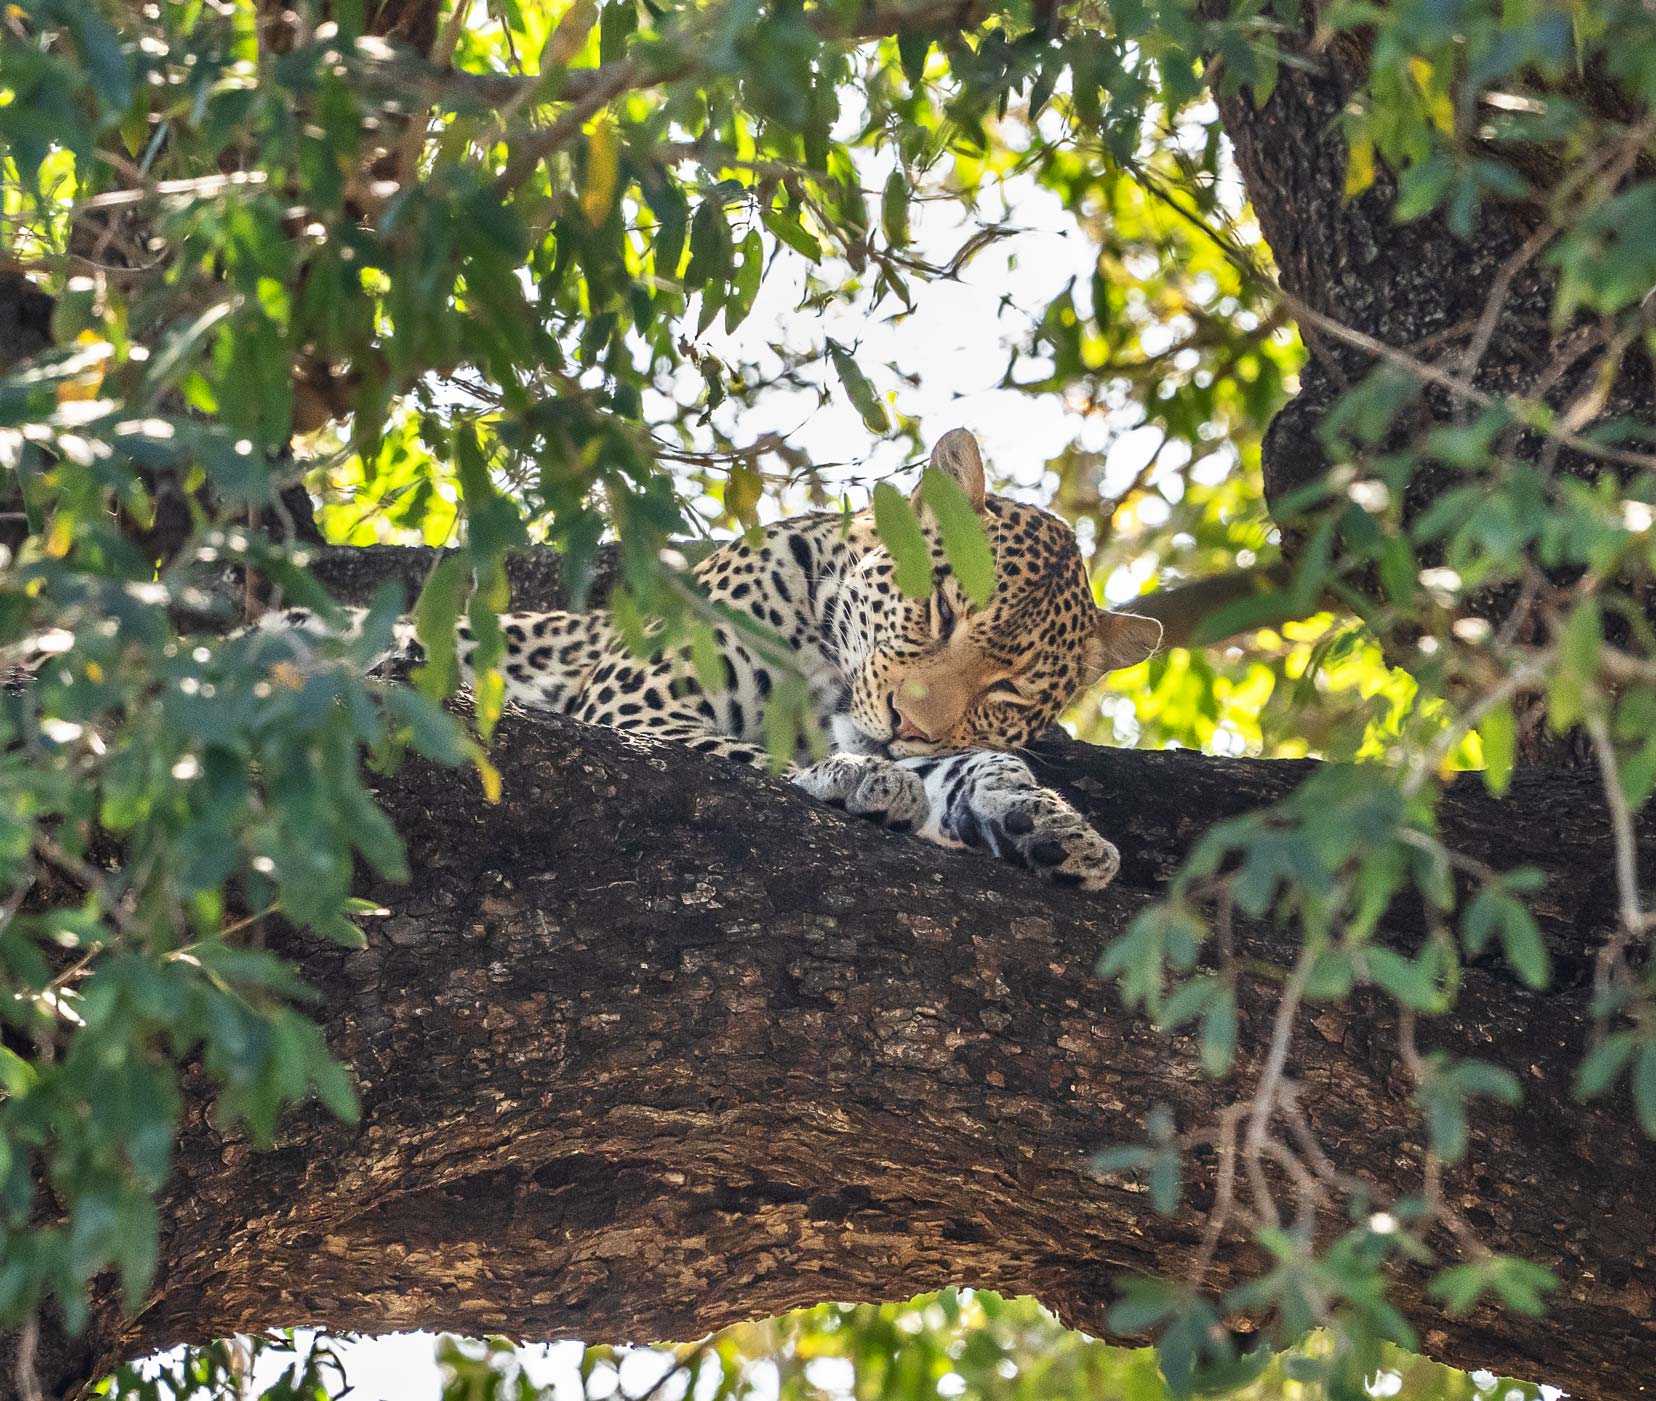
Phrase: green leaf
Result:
[894,209]
[1446,1126]
[791,232]
[899,531]
[1644,1088]
[785,714]
[1478,1077]
[1495,911]
[1525,949]
[100,51]
[671,209]
[1458,1287]
[436,733]
[1188,1002]
[1267,609]
[169,364]
[1125,1158]
[336,929]
[1333,971]
[1574,680]
[487,682]
[137,1245]
[1164,1182]
[1499,734]
[436,615]
[965,542]
[710,247]
[912,47]
[746,286]
[1479,920]
[1143,1304]
[1219,1035]
[1519,1284]
[334,1088]
[1411,981]
[858,389]
[1598,1072]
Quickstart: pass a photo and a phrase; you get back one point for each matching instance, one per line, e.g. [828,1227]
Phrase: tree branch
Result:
[657,1043]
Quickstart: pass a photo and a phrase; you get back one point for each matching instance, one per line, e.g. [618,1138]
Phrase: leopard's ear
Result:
[1118,640]
[956,455]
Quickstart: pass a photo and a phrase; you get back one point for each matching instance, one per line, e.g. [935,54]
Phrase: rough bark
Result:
[657,1043]
[1417,287]
[1407,285]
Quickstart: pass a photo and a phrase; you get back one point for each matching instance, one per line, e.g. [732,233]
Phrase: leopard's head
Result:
[939,674]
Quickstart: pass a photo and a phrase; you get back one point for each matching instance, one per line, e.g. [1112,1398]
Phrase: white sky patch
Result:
[956,344]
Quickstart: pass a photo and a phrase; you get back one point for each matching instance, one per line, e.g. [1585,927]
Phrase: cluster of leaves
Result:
[965,1344]
[491,257]
[480,289]
[1523,577]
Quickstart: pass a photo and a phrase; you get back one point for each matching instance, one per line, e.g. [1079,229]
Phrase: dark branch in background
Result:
[25,319]
[657,1043]
[1182,609]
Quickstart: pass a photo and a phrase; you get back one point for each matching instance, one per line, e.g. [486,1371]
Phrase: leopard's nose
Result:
[904,726]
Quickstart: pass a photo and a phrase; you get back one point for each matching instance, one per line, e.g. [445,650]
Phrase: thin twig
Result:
[1324,1166]
[1270,1078]
[1525,674]
[1608,963]
[1224,1193]
[1526,410]
[1495,303]
[1432,374]
[23,1372]
[1432,1166]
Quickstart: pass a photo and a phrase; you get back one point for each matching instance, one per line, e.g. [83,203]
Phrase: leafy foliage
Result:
[494,293]
[967,1344]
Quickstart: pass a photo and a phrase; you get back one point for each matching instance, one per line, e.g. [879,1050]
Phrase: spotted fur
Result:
[920,698]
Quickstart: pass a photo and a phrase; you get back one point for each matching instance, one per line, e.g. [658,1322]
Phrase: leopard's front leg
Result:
[886,791]
[985,798]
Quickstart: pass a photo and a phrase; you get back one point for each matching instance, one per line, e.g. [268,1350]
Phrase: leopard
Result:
[924,702]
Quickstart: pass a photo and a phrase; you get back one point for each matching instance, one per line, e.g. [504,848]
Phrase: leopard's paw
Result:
[871,787]
[1038,829]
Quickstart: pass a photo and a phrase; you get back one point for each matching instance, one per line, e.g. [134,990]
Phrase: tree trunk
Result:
[657,1043]
[1416,287]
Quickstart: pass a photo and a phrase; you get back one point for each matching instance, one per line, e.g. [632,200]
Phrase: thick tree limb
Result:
[1183,609]
[657,1043]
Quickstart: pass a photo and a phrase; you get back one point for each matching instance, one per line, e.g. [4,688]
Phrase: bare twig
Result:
[1264,1102]
[23,1373]
[1620,157]
[1608,963]
[1224,1193]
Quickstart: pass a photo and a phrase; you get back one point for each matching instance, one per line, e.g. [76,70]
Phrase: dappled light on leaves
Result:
[499,274]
